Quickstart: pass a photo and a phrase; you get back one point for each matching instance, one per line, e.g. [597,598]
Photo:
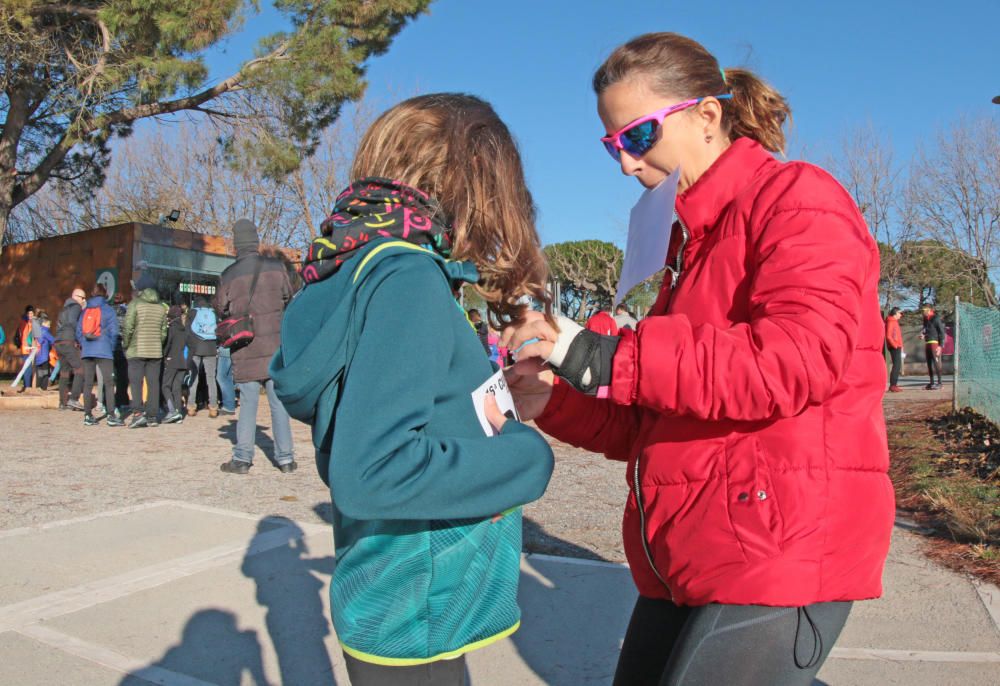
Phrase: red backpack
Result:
[91,323]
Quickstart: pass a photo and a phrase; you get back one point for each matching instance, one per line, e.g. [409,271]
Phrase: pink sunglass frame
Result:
[658,115]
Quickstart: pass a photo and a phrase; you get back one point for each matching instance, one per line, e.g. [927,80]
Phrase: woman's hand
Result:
[532,338]
[530,382]
[494,416]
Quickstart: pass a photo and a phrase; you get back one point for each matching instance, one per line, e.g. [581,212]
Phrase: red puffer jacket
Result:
[748,405]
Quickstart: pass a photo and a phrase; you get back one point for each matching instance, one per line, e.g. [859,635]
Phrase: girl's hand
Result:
[533,338]
[494,416]
[530,382]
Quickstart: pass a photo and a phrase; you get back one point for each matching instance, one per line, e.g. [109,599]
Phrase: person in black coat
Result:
[934,335]
[174,363]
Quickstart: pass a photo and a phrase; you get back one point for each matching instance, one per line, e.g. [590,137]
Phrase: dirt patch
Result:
[941,467]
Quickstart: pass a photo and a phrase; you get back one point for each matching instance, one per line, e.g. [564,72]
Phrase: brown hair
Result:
[677,66]
[457,149]
[98,290]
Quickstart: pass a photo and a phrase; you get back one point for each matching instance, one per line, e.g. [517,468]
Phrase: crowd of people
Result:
[147,362]
[128,352]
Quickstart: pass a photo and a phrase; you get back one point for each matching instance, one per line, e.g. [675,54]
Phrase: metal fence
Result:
[977,359]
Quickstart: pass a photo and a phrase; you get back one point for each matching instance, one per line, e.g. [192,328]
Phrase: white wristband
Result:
[568,329]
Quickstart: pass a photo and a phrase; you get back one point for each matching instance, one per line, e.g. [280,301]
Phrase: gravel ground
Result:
[52,468]
[55,468]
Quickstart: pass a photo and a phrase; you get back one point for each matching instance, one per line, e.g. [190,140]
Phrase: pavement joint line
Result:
[989,594]
[101,591]
[586,562]
[913,655]
[308,527]
[130,509]
[35,528]
[107,658]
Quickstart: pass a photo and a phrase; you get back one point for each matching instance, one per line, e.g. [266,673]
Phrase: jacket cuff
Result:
[625,369]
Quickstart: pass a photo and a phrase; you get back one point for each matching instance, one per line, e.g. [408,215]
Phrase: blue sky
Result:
[907,68]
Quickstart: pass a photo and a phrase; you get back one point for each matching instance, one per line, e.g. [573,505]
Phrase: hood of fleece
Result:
[319,332]
[149,295]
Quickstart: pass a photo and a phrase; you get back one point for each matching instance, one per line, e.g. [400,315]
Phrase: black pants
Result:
[90,365]
[933,361]
[173,385]
[736,645]
[72,366]
[42,372]
[440,673]
[897,365]
[147,368]
[121,377]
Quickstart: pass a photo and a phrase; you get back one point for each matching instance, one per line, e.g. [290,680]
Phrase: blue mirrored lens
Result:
[639,139]
[612,150]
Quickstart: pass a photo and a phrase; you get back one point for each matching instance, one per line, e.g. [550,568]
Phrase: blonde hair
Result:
[457,149]
[677,66]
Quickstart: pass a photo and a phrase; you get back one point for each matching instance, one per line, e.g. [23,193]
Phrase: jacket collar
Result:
[700,205]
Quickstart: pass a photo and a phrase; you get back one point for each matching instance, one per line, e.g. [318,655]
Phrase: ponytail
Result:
[677,66]
[756,110]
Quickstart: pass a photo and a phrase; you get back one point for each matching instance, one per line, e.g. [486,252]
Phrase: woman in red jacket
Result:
[747,406]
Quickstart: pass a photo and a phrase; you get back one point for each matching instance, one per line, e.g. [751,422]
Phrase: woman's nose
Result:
[630,165]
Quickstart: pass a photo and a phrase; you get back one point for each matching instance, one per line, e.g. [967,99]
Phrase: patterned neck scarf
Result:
[374,208]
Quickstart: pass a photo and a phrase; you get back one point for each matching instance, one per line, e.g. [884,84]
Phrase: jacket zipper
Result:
[675,271]
[642,526]
[675,274]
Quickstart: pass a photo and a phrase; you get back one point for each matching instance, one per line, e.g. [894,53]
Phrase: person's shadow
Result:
[287,586]
[571,633]
[212,650]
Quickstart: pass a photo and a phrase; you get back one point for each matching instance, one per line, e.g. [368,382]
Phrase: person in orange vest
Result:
[894,341]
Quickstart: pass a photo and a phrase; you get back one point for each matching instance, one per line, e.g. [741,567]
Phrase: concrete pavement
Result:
[181,594]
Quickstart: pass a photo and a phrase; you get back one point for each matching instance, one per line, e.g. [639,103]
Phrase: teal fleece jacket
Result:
[382,362]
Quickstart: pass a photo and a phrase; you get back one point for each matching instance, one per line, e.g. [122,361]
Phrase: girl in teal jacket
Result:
[379,358]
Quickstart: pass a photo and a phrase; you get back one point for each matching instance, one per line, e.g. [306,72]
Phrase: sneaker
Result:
[138,421]
[929,387]
[115,420]
[74,405]
[895,389]
[226,413]
[88,420]
[213,412]
[152,421]
[101,409]
[235,467]
[63,407]
[936,387]
[173,417]
[288,467]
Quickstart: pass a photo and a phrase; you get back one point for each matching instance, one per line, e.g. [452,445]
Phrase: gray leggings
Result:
[440,673]
[736,645]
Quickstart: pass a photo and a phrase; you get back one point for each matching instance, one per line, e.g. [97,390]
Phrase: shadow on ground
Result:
[263,441]
[289,583]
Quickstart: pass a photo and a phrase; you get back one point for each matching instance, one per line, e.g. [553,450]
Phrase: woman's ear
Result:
[709,113]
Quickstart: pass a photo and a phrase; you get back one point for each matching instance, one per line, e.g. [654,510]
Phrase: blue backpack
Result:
[203,325]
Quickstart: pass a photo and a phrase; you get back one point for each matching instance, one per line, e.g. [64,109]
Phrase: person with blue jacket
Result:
[45,343]
[380,358]
[96,332]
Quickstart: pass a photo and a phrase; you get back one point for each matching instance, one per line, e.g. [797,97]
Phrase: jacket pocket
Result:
[754,511]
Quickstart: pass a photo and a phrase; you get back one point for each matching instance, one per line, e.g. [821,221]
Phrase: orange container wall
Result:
[43,273]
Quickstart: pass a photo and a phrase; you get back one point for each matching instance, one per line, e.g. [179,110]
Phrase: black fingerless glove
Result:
[588,361]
